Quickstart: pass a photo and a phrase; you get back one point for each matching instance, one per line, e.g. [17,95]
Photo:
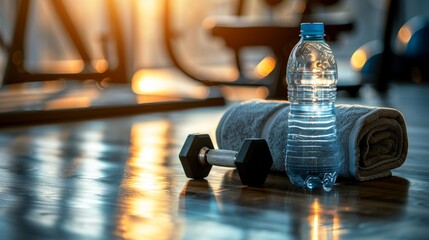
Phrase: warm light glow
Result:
[358,59]
[323,223]
[262,92]
[152,82]
[53,86]
[165,83]
[45,87]
[209,23]
[335,228]
[148,133]
[100,65]
[315,228]
[245,93]
[314,220]
[404,34]
[76,99]
[314,224]
[142,216]
[146,140]
[155,99]
[62,66]
[265,67]
[316,207]
[71,102]
[105,83]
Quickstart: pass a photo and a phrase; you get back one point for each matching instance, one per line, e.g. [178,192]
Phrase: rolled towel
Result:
[373,140]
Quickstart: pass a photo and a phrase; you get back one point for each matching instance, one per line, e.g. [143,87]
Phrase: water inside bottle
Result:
[312,146]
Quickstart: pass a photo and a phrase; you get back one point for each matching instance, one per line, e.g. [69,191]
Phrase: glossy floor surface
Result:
[121,178]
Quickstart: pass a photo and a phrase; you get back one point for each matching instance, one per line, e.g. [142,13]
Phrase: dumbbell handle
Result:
[225,158]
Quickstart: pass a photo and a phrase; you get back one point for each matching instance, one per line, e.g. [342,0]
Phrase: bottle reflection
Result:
[323,220]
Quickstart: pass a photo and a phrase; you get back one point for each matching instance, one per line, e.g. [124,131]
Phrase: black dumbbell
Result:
[253,161]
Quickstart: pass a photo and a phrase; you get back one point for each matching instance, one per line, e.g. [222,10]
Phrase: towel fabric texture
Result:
[373,140]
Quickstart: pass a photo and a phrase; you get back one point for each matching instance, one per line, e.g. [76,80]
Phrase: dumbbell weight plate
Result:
[189,156]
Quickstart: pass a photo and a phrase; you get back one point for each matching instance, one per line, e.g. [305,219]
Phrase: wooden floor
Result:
[121,178]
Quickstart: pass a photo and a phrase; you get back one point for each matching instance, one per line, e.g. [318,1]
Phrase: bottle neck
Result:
[312,37]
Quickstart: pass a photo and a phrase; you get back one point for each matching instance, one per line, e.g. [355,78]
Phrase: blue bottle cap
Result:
[312,28]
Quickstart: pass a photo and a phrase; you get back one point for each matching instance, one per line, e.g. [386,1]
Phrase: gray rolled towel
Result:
[373,140]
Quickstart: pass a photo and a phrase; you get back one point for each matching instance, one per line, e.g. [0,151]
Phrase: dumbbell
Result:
[253,161]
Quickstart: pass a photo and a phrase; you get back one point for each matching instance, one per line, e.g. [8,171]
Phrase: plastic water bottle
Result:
[312,146]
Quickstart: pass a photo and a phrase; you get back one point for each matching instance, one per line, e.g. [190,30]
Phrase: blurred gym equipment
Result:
[43,95]
[240,32]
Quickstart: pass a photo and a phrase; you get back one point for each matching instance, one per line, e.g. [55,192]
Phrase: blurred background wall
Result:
[142,21]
